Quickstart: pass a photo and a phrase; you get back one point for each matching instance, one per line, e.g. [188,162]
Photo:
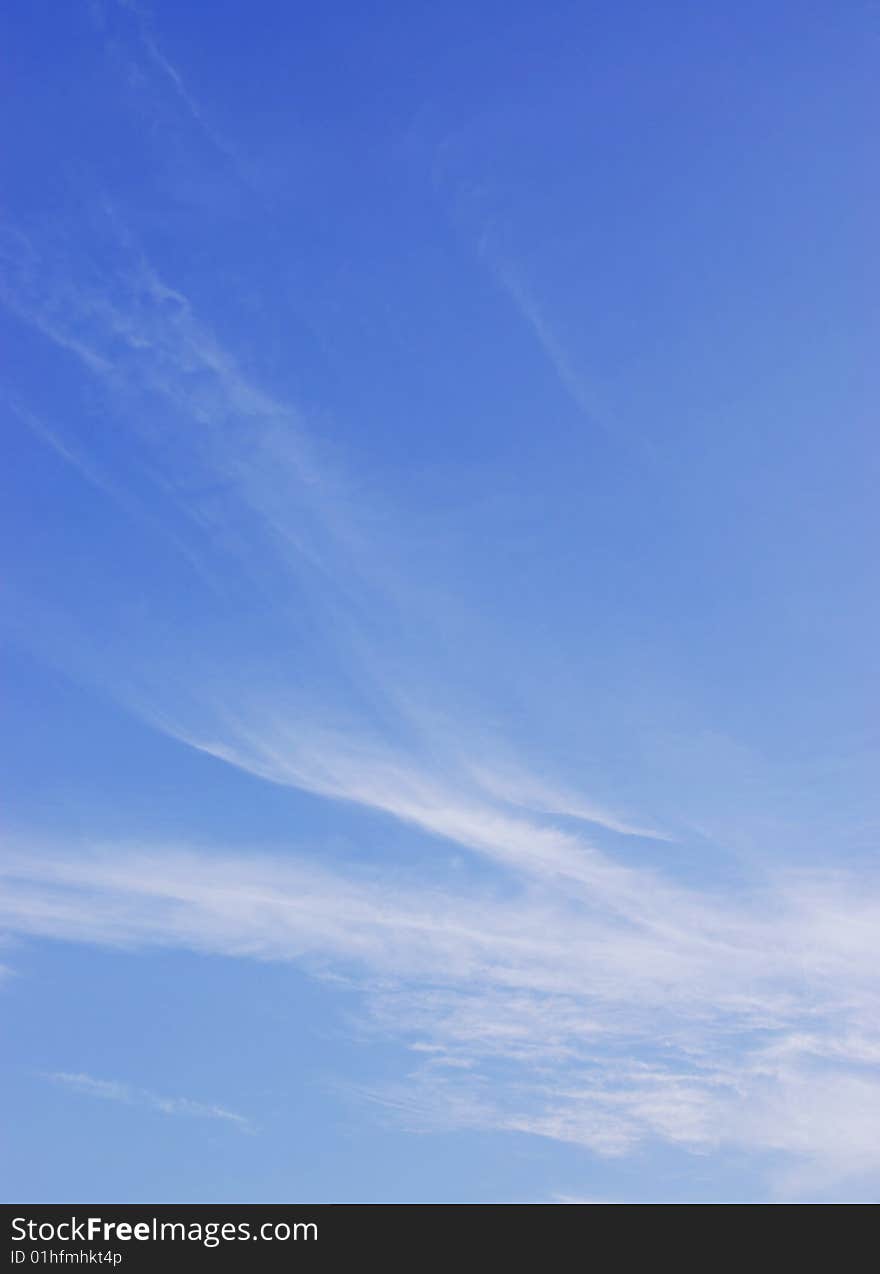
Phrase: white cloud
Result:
[750,1027]
[127,1094]
[296,526]
[579,389]
[518,787]
[581,999]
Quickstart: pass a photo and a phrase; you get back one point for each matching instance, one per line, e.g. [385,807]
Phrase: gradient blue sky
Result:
[441,618]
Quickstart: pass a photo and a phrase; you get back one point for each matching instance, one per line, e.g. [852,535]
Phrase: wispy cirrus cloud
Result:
[580,999]
[130,40]
[129,1095]
[586,1000]
[521,788]
[230,455]
[574,382]
[534,1012]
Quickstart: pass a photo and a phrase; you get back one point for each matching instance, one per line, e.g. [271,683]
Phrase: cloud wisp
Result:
[534,1012]
[129,1095]
[579,998]
[229,455]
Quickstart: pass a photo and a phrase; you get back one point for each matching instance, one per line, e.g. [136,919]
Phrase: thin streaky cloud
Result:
[295,513]
[585,397]
[751,1032]
[161,61]
[518,787]
[579,387]
[129,1095]
[300,754]
[140,57]
[577,998]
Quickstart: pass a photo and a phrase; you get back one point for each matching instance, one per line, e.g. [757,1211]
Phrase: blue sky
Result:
[440,624]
